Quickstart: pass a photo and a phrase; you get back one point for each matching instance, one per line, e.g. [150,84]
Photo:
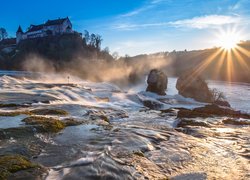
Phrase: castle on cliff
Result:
[50,28]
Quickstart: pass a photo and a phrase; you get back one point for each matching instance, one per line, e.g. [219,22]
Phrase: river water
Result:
[136,143]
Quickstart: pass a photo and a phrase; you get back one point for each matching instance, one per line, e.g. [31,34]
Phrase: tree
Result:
[115,55]
[217,95]
[92,40]
[3,34]
[98,41]
[106,49]
[86,37]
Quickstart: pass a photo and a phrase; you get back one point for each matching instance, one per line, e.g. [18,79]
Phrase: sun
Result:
[228,40]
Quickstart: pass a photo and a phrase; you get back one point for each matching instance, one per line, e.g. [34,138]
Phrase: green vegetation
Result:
[50,124]
[47,124]
[13,163]
[71,122]
[3,33]
[14,113]
[58,52]
[58,112]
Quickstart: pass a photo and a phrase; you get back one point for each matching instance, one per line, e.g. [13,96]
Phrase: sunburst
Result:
[227,56]
[228,39]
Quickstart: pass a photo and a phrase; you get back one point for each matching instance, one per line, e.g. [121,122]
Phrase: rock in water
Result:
[193,86]
[222,103]
[157,82]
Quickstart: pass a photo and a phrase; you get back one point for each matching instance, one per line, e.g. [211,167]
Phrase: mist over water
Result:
[122,72]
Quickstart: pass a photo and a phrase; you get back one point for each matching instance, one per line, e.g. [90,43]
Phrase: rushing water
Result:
[137,143]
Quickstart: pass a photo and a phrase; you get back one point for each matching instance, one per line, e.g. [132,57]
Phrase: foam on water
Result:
[137,143]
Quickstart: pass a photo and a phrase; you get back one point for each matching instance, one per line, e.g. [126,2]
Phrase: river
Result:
[117,137]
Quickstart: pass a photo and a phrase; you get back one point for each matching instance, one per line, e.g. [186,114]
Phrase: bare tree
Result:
[217,95]
[98,41]
[115,55]
[92,40]
[3,34]
[106,49]
[86,37]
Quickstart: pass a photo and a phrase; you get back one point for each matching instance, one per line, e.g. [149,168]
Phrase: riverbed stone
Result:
[157,82]
[211,111]
[11,164]
[193,86]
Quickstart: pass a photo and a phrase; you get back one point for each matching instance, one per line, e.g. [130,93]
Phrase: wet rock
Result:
[47,124]
[49,112]
[71,122]
[189,176]
[188,122]
[13,113]
[11,105]
[210,111]
[169,112]
[139,153]
[106,114]
[152,104]
[95,115]
[193,86]
[222,103]
[236,122]
[35,112]
[102,99]
[11,164]
[20,132]
[157,82]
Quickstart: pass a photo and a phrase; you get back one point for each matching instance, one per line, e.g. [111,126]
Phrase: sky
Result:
[135,27]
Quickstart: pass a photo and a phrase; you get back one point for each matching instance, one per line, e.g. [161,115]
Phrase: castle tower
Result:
[19,34]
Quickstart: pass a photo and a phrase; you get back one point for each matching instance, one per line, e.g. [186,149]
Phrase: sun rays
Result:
[229,55]
[228,40]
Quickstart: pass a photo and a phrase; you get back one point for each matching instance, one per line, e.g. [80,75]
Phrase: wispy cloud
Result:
[136,11]
[149,5]
[208,21]
[129,26]
[200,22]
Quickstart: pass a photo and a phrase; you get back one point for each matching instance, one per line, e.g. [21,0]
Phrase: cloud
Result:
[129,26]
[208,21]
[135,12]
[200,22]
[149,5]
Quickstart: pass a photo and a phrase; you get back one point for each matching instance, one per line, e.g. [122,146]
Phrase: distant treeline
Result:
[215,63]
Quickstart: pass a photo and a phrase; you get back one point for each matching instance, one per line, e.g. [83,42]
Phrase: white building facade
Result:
[50,28]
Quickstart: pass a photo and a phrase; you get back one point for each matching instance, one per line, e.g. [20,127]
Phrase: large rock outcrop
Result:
[193,86]
[157,82]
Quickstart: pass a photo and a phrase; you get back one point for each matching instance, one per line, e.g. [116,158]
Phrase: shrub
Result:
[217,95]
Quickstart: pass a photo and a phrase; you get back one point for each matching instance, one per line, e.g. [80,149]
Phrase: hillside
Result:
[55,51]
[212,63]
